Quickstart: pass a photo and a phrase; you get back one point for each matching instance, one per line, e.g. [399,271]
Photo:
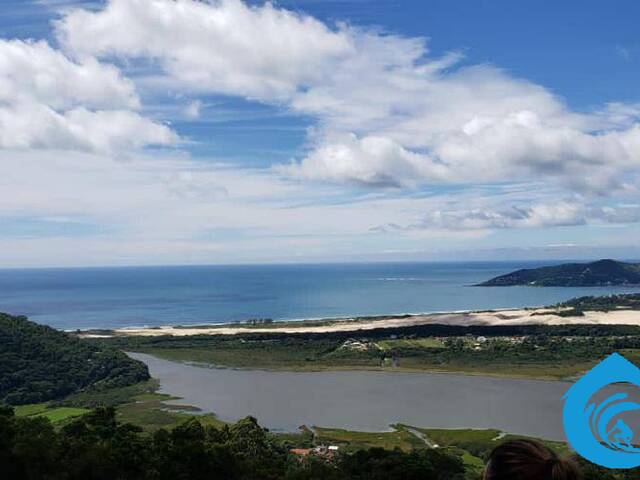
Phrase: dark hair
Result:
[528,460]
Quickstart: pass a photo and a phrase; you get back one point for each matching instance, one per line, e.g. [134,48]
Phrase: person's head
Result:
[528,460]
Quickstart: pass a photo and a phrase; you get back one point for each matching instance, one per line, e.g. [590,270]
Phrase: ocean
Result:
[84,298]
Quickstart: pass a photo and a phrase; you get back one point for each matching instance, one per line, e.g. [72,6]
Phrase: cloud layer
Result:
[429,150]
[537,215]
[387,113]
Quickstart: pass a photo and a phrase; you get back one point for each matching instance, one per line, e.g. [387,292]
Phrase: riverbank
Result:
[507,317]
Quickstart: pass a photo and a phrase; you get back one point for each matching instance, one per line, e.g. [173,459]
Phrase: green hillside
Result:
[594,274]
[38,363]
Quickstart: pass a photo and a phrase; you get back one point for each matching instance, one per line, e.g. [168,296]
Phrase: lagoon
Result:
[366,400]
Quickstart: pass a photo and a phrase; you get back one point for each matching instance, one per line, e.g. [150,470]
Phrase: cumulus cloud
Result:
[375,161]
[33,71]
[49,101]
[387,113]
[224,46]
[34,126]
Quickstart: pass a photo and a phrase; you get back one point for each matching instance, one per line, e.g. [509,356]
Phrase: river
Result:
[366,401]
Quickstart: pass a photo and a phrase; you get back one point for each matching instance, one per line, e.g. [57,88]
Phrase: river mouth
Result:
[366,401]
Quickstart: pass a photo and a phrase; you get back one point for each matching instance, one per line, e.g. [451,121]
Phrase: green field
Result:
[351,440]
[138,404]
[55,414]
[150,412]
[427,342]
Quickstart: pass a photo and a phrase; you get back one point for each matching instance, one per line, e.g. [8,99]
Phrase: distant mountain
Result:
[39,363]
[594,274]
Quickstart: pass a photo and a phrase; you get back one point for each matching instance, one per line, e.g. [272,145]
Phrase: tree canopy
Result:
[39,363]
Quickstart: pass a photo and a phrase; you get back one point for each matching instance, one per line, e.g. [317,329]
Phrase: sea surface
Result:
[84,298]
[366,401]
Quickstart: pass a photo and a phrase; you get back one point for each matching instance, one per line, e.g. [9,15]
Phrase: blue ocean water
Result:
[137,296]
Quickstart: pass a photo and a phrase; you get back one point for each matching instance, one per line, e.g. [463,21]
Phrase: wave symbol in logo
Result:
[597,430]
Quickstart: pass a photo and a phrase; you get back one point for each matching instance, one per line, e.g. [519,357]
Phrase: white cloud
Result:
[49,101]
[33,71]
[171,209]
[542,215]
[223,46]
[387,113]
[35,126]
[375,161]
[192,110]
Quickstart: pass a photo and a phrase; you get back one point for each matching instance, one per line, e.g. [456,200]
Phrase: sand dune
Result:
[539,316]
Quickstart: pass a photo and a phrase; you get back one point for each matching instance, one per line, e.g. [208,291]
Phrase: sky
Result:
[156,132]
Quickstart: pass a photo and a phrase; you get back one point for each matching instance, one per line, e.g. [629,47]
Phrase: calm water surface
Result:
[119,297]
[368,401]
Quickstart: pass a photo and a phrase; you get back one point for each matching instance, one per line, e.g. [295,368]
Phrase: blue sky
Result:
[308,130]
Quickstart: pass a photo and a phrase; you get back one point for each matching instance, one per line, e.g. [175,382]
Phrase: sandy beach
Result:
[533,316]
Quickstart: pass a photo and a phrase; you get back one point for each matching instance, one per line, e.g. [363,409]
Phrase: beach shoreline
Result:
[497,317]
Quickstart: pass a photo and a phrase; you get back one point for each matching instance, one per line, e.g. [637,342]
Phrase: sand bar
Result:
[535,316]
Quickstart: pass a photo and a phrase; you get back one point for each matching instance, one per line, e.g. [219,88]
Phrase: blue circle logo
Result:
[597,429]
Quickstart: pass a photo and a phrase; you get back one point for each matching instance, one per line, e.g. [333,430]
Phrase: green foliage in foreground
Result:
[39,363]
[96,446]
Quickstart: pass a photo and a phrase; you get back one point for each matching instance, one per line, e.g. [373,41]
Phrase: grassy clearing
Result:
[31,409]
[149,411]
[427,342]
[61,414]
[111,397]
[479,442]
[55,414]
[138,404]
[152,416]
[448,438]
[399,438]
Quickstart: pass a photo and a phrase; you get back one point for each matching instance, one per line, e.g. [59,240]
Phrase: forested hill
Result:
[594,274]
[39,363]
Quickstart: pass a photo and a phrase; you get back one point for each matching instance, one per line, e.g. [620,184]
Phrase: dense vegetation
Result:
[607,303]
[39,363]
[595,274]
[529,350]
[96,446]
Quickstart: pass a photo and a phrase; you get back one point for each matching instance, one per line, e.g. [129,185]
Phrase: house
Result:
[327,452]
[301,451]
